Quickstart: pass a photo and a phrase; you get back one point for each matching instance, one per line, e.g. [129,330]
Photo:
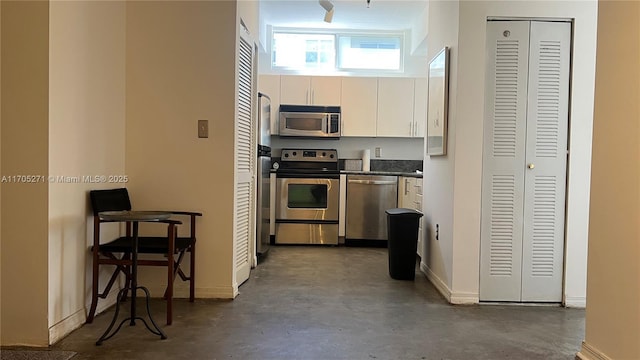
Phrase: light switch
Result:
[378,152]
[203,128]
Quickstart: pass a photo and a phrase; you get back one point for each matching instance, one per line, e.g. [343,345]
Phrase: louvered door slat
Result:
[547,122]
[503,156]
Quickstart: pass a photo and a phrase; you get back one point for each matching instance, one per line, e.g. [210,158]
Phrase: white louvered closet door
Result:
[243,235]
[524,161]
[503,159]
[546,152]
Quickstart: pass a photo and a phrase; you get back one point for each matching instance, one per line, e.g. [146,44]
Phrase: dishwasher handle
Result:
[372,182]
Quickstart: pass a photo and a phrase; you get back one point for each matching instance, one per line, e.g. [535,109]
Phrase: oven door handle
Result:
[372,182]
[325,123]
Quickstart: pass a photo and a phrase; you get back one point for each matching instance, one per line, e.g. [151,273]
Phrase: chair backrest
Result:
[109,200]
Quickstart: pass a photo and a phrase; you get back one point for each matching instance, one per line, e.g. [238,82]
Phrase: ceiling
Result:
[348,14]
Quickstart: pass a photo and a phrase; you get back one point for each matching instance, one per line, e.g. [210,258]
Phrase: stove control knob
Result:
[295,153]
[331,156]
[324,154]
[286,155]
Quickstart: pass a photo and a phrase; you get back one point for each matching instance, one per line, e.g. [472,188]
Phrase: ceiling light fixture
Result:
[328,7]
[328,16]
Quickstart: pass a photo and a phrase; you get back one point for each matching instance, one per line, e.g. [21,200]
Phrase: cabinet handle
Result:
[406,186]
[313,96]
[372,182]
[410,129]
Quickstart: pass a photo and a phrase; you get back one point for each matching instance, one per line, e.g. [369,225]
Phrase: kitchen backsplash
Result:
[351,148]
[391,165]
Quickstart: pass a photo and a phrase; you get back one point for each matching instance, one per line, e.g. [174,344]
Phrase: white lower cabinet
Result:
[410,197]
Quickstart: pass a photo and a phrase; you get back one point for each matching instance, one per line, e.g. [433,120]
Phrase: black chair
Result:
[108,253]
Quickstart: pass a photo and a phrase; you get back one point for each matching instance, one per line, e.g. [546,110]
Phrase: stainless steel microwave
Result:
[310,121]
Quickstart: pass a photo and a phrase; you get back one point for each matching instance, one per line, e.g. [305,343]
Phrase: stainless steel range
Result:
[307,193]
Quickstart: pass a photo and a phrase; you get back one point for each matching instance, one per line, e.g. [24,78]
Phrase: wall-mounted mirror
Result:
[437,103]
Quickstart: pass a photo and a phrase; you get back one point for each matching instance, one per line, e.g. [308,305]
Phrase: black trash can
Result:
[402,227]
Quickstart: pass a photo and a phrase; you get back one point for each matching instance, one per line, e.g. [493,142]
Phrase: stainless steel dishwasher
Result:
[368,196]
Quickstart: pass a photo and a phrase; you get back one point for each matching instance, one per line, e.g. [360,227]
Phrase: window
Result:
[298,51]
[321,51]
[369,52]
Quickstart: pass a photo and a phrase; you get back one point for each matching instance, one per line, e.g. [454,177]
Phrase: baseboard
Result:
[67,325]
[588,352]
[217,292]
[460,298]
[456,298]
[179,292]
[109,301]
[436,281]
[579,302]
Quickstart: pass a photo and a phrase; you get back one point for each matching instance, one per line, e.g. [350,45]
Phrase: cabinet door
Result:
[359,106]
[270,85]
[403,192]
[395,107]
[420,107]
[295,90]
[325,90]
[418,206]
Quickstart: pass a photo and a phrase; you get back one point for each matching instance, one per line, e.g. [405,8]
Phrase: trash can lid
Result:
[404,212]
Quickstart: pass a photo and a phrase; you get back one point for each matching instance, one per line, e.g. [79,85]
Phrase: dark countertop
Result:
[389,173]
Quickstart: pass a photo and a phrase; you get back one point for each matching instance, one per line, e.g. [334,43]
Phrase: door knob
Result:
[531,166]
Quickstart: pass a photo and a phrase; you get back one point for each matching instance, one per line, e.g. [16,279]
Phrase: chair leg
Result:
[94,292]
[176,271]
[192,273]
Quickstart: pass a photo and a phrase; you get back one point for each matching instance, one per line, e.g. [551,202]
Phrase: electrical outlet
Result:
[378,152]
[203,128]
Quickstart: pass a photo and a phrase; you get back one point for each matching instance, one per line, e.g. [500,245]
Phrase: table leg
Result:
[122,293]
[134,273]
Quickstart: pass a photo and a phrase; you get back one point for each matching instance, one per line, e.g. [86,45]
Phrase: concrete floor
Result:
[337,303]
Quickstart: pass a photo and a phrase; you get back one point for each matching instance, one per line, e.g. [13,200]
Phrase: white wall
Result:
[86,138]
[180,61]
[465,136]
[25,129]
[351,148]
[438,178]
[613,296]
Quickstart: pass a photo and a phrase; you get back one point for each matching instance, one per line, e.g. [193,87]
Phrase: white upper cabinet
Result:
[359,106]
[310,90]
[395,107]
[270,85]
[420,107]
[295,90]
